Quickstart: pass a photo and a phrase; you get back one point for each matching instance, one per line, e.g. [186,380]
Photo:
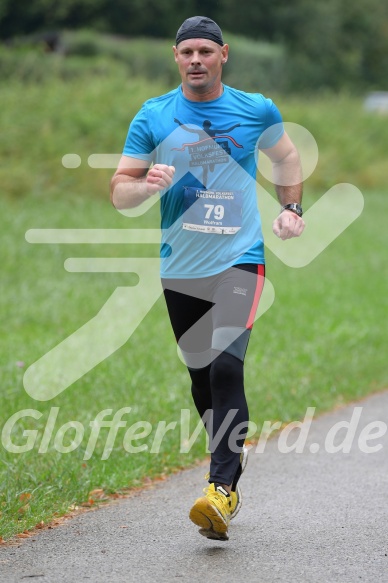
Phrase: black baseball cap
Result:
[199,27]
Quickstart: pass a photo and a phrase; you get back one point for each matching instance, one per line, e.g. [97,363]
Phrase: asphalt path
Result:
[314,516]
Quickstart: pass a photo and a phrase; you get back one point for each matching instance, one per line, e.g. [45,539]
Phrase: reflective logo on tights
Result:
[240,290]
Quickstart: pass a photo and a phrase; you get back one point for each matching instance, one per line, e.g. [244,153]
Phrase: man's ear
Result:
[224,53]
[175,51]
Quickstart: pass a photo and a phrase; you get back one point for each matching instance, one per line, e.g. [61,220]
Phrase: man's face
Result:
[200,63]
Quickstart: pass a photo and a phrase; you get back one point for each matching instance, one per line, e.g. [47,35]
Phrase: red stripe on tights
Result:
[258,290]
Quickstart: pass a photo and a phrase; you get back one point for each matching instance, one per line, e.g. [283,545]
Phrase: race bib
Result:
[212,211]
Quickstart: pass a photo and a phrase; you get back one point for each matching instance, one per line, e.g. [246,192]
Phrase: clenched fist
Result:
[288,225]
[159,177]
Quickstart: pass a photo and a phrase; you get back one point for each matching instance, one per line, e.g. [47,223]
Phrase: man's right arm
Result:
[133,182]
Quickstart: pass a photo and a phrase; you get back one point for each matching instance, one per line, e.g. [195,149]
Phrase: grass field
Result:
[321,344]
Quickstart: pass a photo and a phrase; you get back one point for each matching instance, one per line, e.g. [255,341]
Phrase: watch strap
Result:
[294,207]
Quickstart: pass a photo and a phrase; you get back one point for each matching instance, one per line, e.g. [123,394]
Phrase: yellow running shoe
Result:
[212,513]
[236,496]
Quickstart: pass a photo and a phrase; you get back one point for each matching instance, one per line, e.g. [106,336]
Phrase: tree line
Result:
[329,43]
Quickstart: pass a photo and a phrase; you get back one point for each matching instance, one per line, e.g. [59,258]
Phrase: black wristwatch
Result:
[294,207]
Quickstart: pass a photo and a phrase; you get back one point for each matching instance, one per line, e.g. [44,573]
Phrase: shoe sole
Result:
[209,519]
[239,503]
[244,462]
[211,534]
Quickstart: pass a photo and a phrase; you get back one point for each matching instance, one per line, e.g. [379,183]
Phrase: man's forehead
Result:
[197,43]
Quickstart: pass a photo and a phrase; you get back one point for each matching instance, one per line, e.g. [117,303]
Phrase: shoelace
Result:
[221,501]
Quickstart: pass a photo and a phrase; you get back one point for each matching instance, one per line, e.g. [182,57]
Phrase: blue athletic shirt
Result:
[209,215]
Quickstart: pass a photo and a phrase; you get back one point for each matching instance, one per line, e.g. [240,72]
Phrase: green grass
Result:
[321,344]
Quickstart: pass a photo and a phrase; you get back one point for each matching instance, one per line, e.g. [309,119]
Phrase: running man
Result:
[212,250]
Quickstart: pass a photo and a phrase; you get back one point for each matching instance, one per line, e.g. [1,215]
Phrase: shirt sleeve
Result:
[273,127]
[139,143]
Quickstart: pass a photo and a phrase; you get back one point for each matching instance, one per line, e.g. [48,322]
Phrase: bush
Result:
[252,66]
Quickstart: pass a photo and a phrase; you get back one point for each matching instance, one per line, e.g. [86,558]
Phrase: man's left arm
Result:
[288,180]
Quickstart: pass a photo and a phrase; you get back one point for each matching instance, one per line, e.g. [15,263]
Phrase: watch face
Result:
[298,210]
[294,207]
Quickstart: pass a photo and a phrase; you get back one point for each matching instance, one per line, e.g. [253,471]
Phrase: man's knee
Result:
[226,371]
[200,377]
